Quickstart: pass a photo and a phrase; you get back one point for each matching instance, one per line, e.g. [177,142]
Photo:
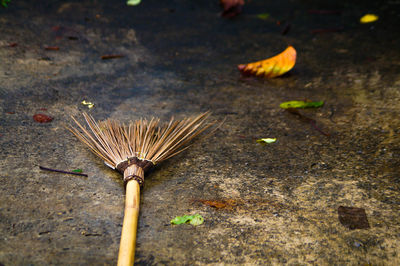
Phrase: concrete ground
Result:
[273,204]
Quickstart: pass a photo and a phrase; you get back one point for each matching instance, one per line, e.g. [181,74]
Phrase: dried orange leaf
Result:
[271,67]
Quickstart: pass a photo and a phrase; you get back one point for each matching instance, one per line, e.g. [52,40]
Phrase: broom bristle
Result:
[145,140]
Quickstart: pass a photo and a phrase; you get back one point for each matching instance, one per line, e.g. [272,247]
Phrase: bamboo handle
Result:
[126,255]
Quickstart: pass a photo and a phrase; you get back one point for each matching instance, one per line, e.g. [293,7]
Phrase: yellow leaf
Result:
[271,67]
[88,104]
[368,18]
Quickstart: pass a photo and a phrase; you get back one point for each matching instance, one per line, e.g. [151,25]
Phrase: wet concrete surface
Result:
[281,200]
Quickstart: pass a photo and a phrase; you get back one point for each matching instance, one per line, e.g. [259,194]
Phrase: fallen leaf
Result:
[42,118]
[5,3]
[195,219]
[77,171]
[13,44]
[88,104]
[353,218]
[271,67]
[133,2]
[263,16]
[368,18]
[266,140]
[214,203]
[231,8]
[286,28]
[111,56]
[52,48]
[323,12]
[306,119]
[301,104]
[318,31]
[227,204]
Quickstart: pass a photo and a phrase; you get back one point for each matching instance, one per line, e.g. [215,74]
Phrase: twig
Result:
[61,171]
[318,31]
[111,56]
[323,12]
[308,120]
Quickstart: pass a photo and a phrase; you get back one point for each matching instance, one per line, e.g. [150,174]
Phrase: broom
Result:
[132,150]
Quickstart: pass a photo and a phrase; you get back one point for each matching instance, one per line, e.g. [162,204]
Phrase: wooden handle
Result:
[126,255]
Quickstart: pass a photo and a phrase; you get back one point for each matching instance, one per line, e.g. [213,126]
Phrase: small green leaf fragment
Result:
[77,171]
[5,3]
[263,16]
[133,2]
[196,219]
[266,140]
[180,219]
[301,104]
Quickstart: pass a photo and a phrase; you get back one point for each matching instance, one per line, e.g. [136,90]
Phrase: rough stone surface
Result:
[180,59]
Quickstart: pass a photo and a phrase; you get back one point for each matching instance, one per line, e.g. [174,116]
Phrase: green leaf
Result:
[77,171]
[266,140]
[301,104]
[263,16]
[5,3]
[196,219]
[133,2]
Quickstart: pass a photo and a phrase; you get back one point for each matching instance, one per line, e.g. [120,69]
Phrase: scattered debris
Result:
[306,119]
[353,218]
[62,171]
[324,12]
[263,16]
[368,18]
[195,219]
[133,2]
[5,3]
[112,56]
[301,104]
[52,48]
[231,8]
[60,32]
[214,203]
[228,204]
[286,28]
[88,104]
[266,140]
[271,67]
[42,118]
[318,31]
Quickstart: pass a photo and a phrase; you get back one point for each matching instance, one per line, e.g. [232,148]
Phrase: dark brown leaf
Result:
[42,118]
[353,218]
[111,56]
[52,48]
[318,31]
[220,204]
